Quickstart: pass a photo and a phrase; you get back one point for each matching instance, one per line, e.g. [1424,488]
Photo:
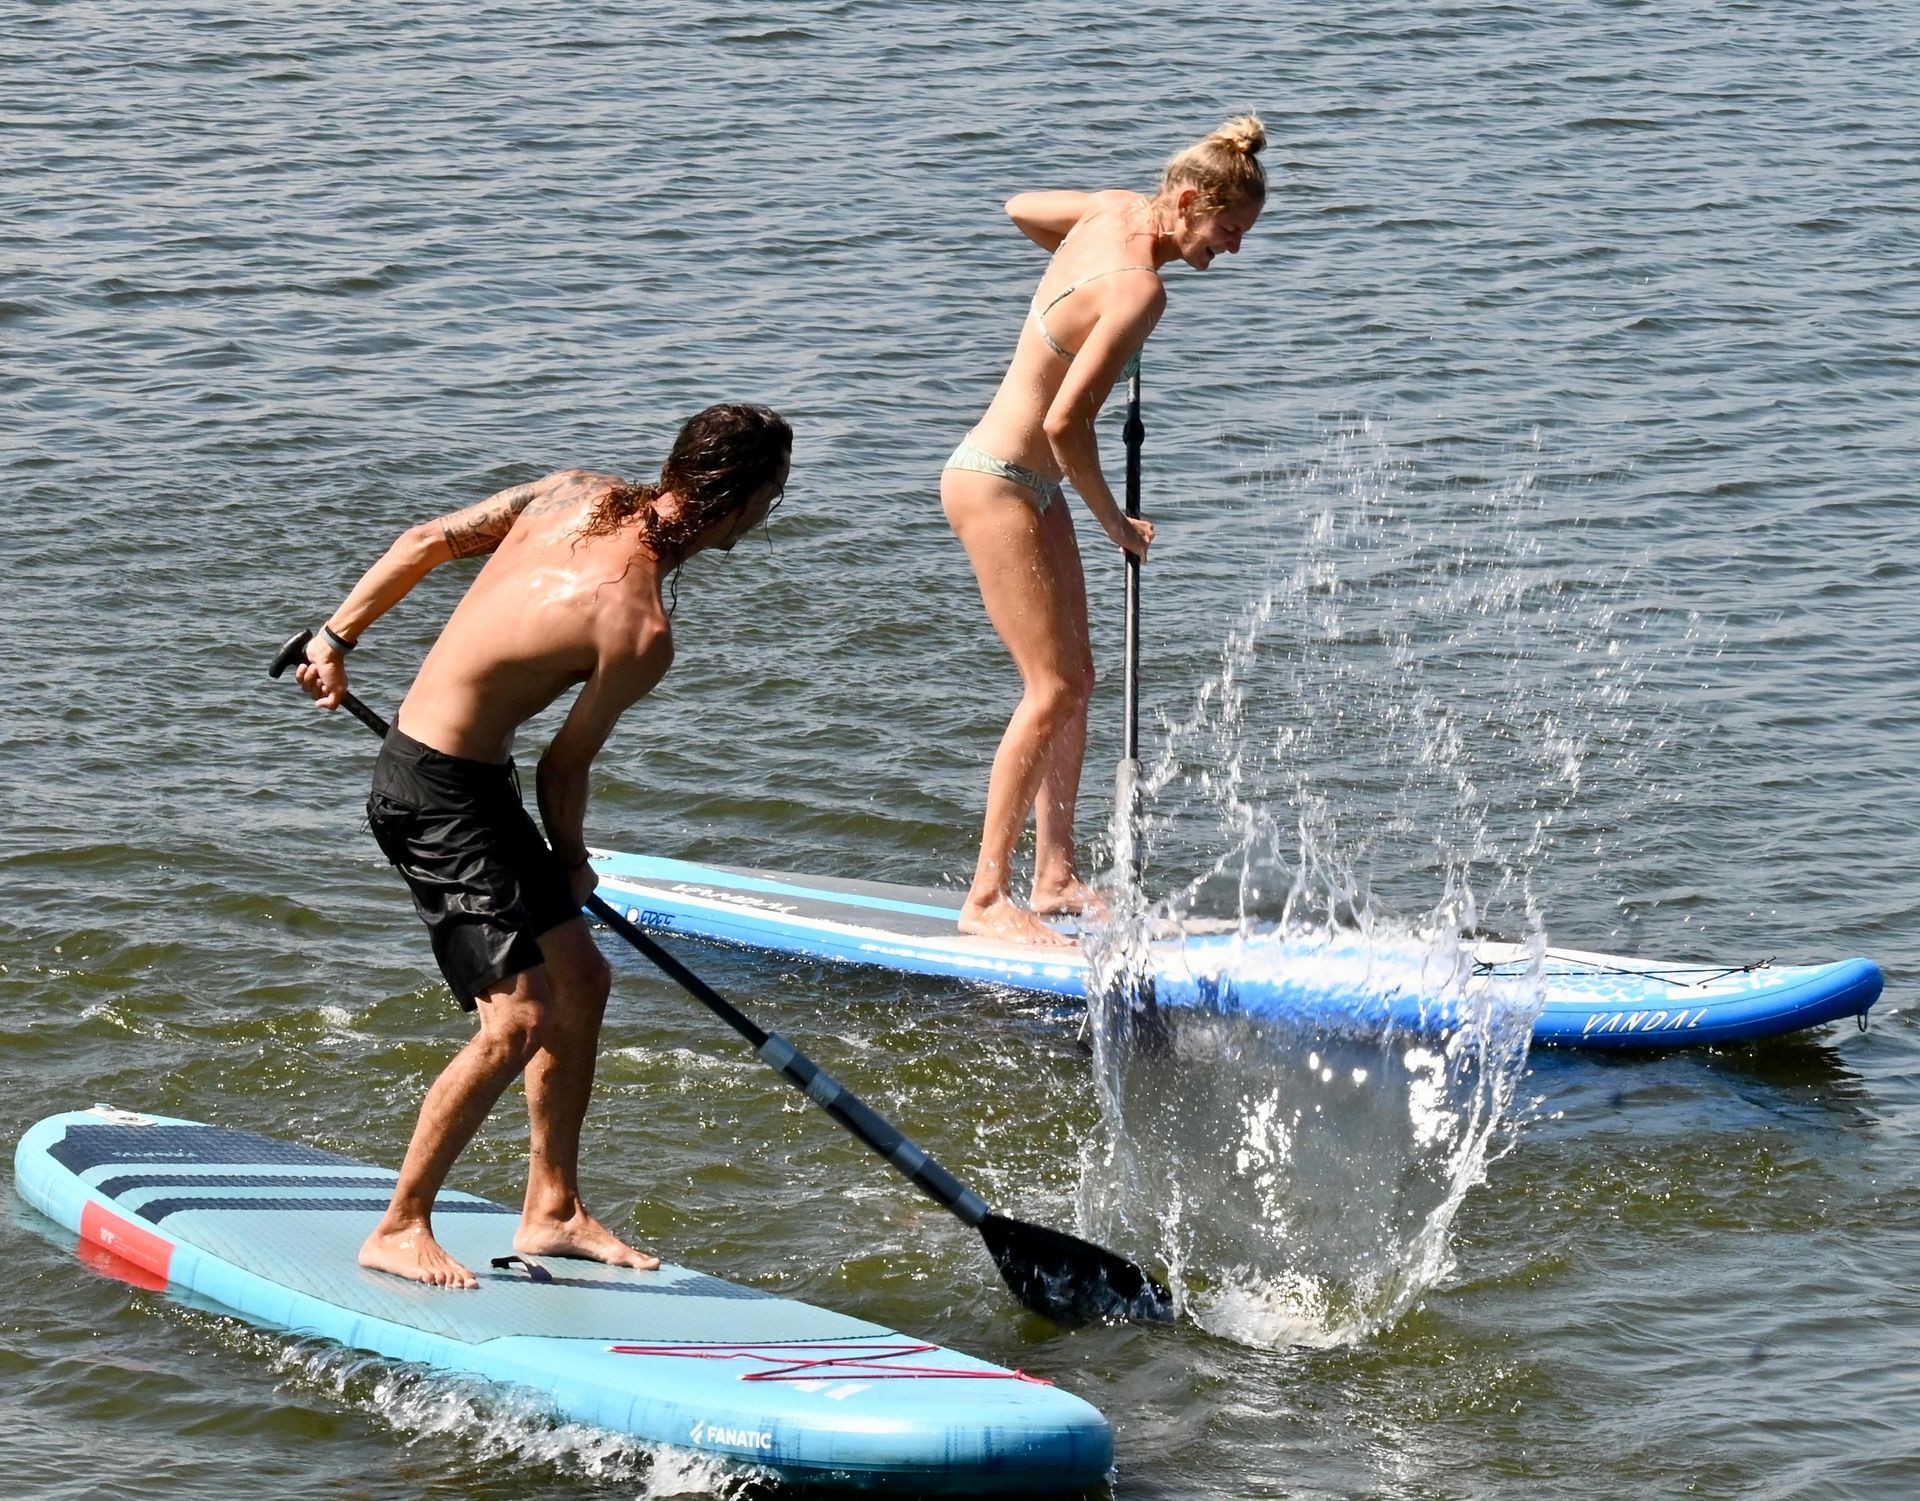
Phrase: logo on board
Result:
[1642,1021]
[738,1438]
[735,898]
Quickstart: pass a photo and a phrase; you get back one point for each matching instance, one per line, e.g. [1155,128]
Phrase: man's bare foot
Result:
[583,1238]
[409,1250]
[1072,899]
[1010,923]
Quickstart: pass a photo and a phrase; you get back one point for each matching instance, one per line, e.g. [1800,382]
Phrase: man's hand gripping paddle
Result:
[1060,1276]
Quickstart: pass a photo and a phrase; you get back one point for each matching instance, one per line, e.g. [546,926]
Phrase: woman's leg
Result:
[1017,568]
[1056,881]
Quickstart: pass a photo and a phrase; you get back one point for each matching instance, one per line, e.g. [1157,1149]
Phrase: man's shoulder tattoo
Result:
[567,490]
[482,528]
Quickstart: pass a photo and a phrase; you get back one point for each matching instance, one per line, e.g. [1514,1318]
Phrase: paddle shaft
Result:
[1127,777]
[774,1050]
[811,1080]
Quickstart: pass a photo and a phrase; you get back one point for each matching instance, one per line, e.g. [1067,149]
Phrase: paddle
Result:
[1130,997]
[1127,853]
[1055,1274]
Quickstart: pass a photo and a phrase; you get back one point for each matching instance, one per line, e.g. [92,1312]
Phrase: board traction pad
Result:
[233,1195]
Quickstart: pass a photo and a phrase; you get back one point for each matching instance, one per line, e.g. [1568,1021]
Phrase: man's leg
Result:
[514,1017]
[554,1221]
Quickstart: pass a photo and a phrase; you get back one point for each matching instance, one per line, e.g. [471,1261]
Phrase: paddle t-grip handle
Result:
[296,651]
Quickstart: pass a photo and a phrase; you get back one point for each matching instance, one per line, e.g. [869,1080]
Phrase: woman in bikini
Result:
[1096,305]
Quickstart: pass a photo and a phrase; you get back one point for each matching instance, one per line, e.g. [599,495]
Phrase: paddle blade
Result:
[1069,1280]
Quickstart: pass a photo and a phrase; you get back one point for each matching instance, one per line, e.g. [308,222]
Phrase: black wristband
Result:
[340,643]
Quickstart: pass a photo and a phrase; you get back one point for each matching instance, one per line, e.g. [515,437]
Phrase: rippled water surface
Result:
[1535,554]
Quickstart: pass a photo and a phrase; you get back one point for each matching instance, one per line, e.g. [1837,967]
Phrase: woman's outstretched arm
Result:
[1045,218]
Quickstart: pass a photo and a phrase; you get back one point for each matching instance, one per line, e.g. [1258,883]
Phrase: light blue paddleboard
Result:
[1592,1000]
[270,1229]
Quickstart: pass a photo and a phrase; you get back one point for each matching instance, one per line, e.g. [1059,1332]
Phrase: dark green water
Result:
[1536,522]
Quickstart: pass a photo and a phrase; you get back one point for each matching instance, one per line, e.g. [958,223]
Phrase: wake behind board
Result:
[1592,1000]
[269,1230]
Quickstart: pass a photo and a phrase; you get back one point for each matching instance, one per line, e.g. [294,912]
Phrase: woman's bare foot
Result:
[409,1250]
[1074,898]
[1003,919]
[582,1238]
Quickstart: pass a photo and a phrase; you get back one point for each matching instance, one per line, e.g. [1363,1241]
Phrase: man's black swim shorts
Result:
[485,882]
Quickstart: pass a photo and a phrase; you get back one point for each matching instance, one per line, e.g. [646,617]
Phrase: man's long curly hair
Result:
[722,458]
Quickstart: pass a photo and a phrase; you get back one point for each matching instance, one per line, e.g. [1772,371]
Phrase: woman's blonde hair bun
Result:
[1246,135]
[1224,169]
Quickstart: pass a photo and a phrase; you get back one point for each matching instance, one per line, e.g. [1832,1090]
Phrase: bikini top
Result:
[1132,366]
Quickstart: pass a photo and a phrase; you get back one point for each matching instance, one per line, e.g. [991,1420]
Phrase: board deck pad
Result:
[271,1229]
[1335,982]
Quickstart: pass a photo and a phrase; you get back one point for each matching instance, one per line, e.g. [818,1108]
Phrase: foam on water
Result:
[498,1425]
[1397,730]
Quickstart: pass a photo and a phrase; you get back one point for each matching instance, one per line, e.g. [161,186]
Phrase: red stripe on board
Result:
[126,1240]
[792,1361]
[99,1260]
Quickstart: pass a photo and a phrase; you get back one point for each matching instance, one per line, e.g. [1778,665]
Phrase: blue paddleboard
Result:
[270,1229]
[1592,1000]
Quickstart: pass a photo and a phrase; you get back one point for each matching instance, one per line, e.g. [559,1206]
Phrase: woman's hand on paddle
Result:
[323,674]
[1133,535]
[583,881]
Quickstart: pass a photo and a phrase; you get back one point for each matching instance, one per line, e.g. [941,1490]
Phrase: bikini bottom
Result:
[977,460]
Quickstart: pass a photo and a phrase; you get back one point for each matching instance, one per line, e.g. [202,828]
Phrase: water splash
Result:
[1301,1183]
[1394,737]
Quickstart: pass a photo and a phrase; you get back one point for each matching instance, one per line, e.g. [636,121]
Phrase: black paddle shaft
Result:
[810,1079]
[1135,433]
[1058,1275]
[1061,1276]
[1128,853]
[774,1050]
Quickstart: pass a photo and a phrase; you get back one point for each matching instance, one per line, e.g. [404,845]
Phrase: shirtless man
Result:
[570,595]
